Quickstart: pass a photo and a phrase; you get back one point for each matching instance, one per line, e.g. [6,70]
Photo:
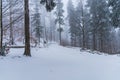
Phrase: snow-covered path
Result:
[59,63]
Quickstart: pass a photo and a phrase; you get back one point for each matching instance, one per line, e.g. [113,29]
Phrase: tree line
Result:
[92,24]
[89,24]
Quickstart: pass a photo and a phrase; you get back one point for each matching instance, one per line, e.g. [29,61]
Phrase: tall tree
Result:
[27,33]
[99,21]
[11,25]
[115,13]
[49,5]
[80,21]
[72,22]
[94,21]
[104,27]
[1,25]
[59,17]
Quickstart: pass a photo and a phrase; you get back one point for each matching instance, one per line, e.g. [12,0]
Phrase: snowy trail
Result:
[59,63]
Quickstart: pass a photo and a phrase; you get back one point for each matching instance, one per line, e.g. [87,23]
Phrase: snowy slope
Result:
[58,63]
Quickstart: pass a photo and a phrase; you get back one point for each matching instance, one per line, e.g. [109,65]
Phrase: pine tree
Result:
[93,12]
[99,14]
[104,27]
[11,25]
[80,19]
[72,22]
[114,6]
[49,4]
[59,18]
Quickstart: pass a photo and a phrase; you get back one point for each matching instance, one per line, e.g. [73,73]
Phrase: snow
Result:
[59,63]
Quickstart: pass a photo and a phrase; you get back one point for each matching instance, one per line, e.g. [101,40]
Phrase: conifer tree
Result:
[99,14]
[72,22]
[49,4]
[59,18]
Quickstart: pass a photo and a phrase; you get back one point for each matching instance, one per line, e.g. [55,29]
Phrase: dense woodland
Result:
[88,24]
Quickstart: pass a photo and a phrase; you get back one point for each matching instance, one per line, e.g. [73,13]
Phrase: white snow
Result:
[58,63]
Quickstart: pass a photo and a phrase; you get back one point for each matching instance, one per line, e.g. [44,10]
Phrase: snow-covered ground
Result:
[58,63]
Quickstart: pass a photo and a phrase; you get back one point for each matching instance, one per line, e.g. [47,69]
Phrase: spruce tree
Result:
[80,21]
[49,4]
[104,27]
[99,14]
[72,22]
[59,18]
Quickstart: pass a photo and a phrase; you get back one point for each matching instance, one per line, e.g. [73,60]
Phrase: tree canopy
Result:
[49,4]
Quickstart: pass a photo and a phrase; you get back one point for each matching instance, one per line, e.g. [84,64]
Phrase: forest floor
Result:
[59,63]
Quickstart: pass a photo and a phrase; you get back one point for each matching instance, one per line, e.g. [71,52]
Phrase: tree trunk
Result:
[60,37]
[102,46]
[11,26]
[83,27]
[51,29]
[83,46]
[94,41]
[1,25]
[27,34]
[60,34]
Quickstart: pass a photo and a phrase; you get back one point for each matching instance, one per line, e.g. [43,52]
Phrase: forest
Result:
[88,24]
[59,39]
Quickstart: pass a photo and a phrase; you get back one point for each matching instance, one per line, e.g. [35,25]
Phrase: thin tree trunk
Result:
[83,27]
[51,28]
[102,46]
[60,34]
[75,42]
[27,34]
[94,41]
[83,31]
[83,39]
[11,26]
[46,38]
